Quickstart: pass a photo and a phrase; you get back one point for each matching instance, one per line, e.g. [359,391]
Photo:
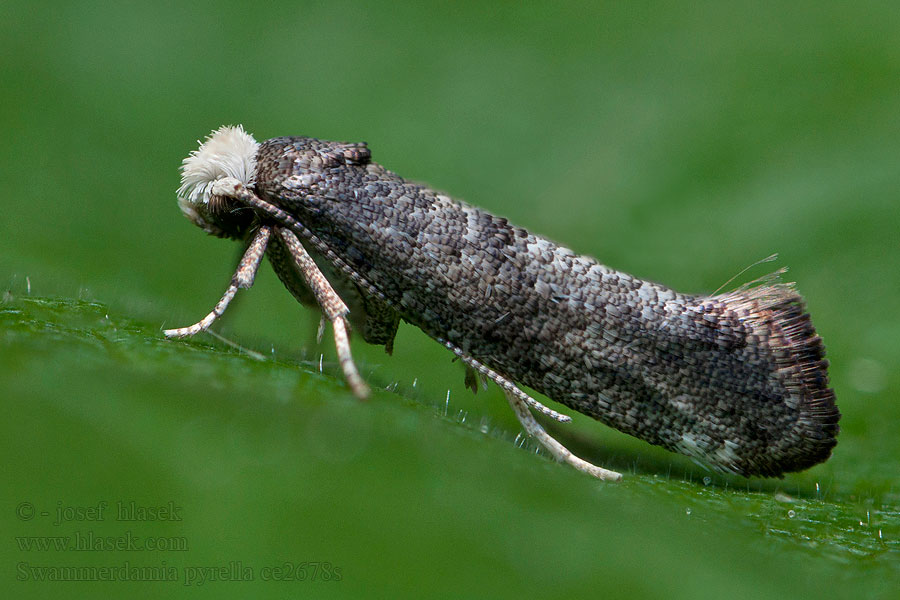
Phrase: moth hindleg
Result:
[521,404]
[242,279]
[559,452]
[505,384]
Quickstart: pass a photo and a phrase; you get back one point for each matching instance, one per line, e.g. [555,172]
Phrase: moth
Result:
[737,380]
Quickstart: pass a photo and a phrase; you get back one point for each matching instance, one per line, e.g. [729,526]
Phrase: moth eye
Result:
[226,217]
[216,204]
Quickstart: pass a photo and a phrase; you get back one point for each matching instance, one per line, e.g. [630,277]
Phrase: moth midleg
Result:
[333,308]
[557,450]
[505,384]
[242,279]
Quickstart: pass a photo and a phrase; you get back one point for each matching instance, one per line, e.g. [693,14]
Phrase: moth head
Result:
[226,152]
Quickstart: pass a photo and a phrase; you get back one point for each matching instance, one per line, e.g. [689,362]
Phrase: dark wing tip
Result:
[800,365]
[805,371]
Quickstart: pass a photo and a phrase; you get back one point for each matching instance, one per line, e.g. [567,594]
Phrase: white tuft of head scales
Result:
[227,152]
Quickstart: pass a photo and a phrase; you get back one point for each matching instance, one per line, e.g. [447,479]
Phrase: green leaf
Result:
[273,464]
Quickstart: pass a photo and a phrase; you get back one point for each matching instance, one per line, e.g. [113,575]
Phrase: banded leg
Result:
[231,187]
[557,450]
[333,308]
[505,384]
[242,279]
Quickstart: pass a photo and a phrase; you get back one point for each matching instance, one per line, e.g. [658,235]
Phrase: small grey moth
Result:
[737,380]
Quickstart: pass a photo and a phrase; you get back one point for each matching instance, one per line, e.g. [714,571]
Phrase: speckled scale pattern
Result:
[737,380]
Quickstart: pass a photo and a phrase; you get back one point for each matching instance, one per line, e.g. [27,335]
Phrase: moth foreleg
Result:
[242,279]
[333,308]
[557,450]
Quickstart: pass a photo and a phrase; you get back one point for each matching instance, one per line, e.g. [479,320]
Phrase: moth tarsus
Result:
[557,450]
[242,279]
[737,380]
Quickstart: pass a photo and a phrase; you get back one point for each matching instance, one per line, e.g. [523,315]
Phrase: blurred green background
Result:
[679,142]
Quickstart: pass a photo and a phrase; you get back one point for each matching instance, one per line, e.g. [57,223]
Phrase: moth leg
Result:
[332,306]
[320,331]
[380,324]
[242,279]
[559,452]
[368,315]
[471,379]
[508,386]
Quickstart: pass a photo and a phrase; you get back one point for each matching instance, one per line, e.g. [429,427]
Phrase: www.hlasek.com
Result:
[87,541]
[191,575]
